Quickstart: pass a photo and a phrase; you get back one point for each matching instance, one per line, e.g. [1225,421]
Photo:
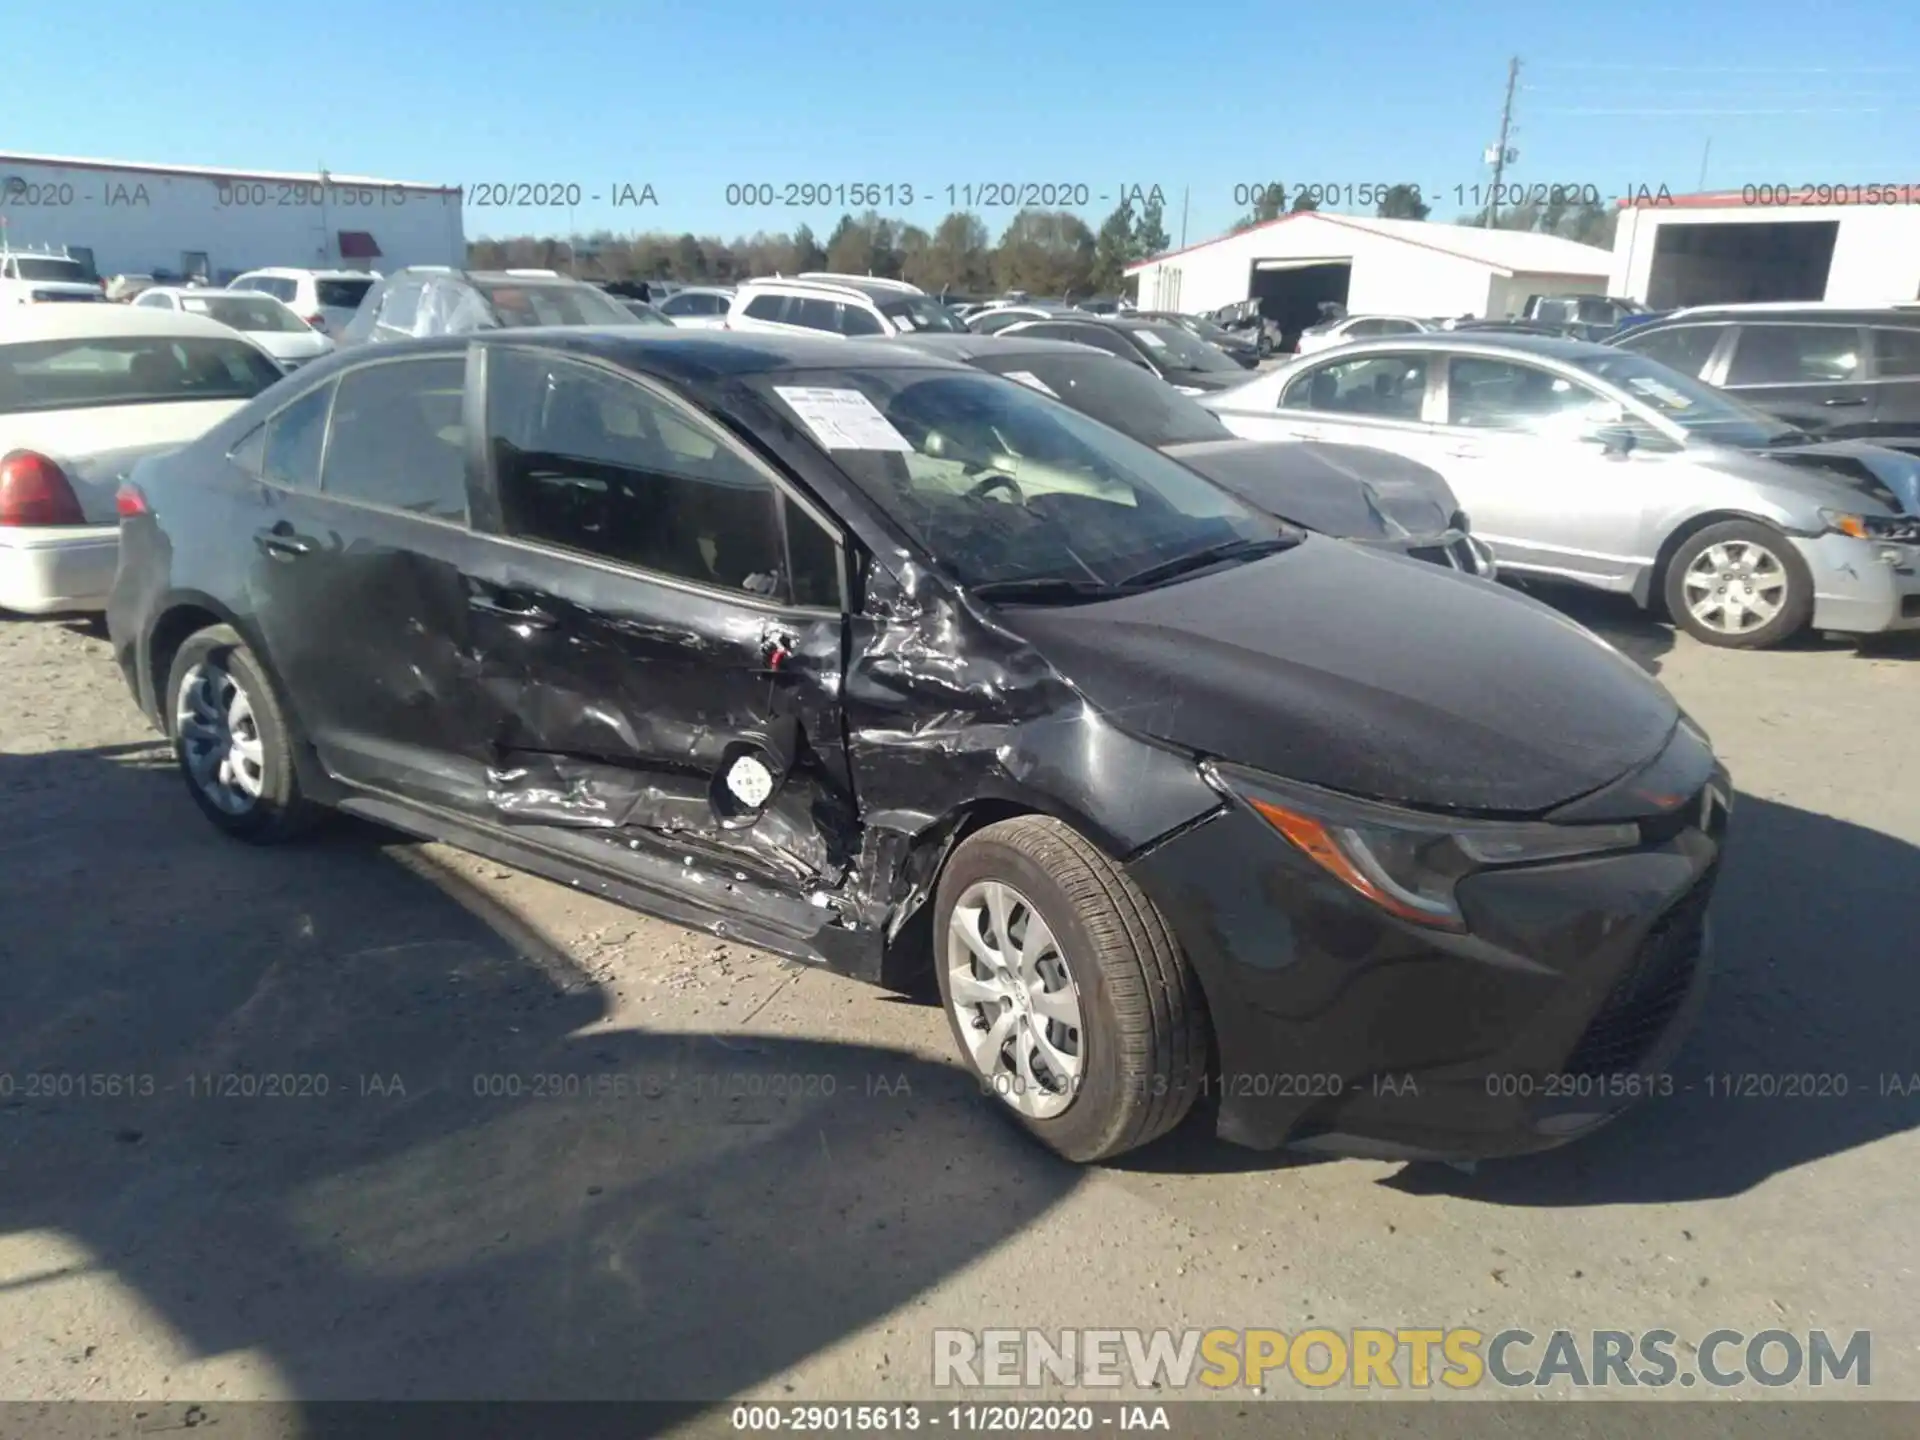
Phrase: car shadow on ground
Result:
[333,1105]
[1805,1048]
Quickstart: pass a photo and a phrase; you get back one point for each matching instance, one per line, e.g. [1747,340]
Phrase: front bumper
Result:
[57,569]
[1343,1030]
[1855,590]
[1454,549]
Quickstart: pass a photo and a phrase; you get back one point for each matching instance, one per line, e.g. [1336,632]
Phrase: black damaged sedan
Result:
[1181,803]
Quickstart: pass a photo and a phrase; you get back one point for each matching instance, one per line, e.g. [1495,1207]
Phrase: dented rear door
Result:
[656,630]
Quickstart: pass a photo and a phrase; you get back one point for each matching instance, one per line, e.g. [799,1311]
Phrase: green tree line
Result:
[1044,252]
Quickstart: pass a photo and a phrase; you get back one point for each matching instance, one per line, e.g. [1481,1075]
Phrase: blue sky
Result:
[1194,98]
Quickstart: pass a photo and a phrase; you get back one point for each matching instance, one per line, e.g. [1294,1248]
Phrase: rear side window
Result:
[1391,387]
[396,437]
[295,438]
[1896,353]
[597,463]
[814,314]
[1685,348]
[1795,355]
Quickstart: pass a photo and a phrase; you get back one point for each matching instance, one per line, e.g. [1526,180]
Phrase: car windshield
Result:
[1174,349]
[518,305]
[97,370]
[1689,403]
[342,294]
[1115,393]
[245,312]
[917,312]
[50,267]
[1001,485]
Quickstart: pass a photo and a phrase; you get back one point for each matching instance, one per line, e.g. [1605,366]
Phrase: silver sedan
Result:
[1589,464]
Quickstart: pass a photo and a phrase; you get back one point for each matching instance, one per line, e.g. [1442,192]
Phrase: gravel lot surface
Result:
[403,1123]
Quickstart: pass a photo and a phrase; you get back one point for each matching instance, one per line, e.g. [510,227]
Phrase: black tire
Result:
[281,812]
[1796,608]
[1144,1033]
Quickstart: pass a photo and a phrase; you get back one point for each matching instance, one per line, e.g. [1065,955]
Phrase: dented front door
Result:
[656,655]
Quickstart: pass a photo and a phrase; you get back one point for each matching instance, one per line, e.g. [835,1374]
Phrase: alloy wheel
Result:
[1735,587]
[220,738]
[1015,1000]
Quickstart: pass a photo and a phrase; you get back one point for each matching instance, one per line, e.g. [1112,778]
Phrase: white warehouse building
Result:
[184,221]
[1763,243]
[1395,267]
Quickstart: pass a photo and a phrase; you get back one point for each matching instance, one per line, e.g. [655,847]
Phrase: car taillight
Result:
[34,491]
[318,322]
[128,501]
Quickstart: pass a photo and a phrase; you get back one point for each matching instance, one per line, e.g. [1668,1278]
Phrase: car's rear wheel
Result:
[1739,584]
[232,741]
[1066,991]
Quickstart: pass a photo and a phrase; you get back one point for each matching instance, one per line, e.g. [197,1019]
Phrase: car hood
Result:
[1208,380]
[1368,673]
[1271,473]
[1854,468]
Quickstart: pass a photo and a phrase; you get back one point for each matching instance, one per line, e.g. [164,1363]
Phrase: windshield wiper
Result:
[1792,437]
[1211,555]
[1047,587]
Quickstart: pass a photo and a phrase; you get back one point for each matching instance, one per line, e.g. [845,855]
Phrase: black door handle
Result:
[519,611]
[282,544]
[1845,400]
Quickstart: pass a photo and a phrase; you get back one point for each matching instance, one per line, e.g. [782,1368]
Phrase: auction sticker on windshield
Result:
[1147,337]
[842,419]
[1033,382]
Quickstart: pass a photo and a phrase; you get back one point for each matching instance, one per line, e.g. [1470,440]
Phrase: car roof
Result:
[1552,347]
[694,356]
[104,320]
[1818,312]
[969,346]
[293,272]
[840,289]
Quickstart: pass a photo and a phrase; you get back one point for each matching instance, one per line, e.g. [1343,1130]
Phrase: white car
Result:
[85,391]
[325,299]
[849,305]
[697,307]
[37,277]
[1329,333]
[269,323]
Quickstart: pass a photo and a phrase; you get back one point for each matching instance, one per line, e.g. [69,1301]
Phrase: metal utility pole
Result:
[1185,195]
[1705,152]
[1500,154]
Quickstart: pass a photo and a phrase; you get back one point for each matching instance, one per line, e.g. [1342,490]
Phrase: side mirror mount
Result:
[1615,440]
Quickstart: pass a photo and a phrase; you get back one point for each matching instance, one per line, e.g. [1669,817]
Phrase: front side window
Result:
[999,483]
[813,313]
[1505,395]
[1685,348]
[1695,406]
[295,438]
[396,437]
[94,371]
[593,461]
[767,307]
[1795,355]
[1387,387]
[858,320]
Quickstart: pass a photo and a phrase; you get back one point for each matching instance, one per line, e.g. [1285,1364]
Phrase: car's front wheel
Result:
[232,741]
[1741,585]
[1066,990]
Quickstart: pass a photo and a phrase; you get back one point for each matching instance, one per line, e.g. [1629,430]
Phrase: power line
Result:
[1603,110]
[1733,69]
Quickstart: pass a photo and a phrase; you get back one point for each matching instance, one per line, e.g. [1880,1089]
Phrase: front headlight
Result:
[1904,528]
[1404,861]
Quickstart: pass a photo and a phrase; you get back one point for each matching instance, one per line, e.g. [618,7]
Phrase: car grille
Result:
[1640,1006]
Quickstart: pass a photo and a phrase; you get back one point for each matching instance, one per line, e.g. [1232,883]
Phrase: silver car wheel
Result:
[1014,1000]
[220,738]
[1735,587]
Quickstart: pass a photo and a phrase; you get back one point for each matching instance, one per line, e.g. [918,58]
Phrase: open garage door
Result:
[1734,263]
[1291,292]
